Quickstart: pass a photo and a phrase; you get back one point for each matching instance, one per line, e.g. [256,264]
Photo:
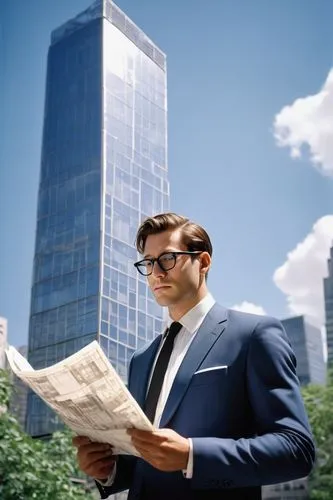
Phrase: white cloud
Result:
[249,308]
[308,121]
[301,275]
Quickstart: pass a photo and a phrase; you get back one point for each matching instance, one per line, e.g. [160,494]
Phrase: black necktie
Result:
[159,371]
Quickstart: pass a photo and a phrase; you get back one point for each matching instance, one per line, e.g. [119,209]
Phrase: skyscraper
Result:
[328,293]
[307,343]
[18,402]
[103,169]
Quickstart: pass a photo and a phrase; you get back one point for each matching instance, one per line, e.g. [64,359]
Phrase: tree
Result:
[319,404]
[34,469]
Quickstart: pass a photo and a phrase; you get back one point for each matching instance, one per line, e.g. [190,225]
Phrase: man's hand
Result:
[164,449]
[94,459]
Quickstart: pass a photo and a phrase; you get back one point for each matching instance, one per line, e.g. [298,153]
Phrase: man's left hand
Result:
[164,449]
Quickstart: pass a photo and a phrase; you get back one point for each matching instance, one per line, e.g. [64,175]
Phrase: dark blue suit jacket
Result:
[247,421]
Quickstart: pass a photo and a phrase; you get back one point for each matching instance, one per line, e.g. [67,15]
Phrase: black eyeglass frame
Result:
[157,259]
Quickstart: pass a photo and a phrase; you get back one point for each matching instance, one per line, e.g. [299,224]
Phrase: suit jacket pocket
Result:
[209,377]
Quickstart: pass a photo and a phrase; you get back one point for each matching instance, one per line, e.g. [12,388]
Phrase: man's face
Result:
[179,284]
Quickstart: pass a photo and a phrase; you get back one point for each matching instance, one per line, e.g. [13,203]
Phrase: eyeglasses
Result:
[166,262]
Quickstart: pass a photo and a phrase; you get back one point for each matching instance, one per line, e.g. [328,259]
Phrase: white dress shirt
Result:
[191,322]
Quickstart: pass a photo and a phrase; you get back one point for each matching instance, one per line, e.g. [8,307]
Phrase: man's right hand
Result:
[94,459]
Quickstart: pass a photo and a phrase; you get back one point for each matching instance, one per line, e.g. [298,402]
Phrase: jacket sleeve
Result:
[283,448]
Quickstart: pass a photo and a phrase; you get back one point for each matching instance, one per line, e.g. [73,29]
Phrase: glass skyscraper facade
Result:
[307,343]
[328,293]
[103,169]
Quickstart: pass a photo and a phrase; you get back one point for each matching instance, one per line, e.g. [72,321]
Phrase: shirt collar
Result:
[194,317]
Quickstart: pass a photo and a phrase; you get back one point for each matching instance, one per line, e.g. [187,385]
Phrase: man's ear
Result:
[205,262]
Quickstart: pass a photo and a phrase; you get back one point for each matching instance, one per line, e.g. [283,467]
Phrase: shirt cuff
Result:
[188,473]
[110,479]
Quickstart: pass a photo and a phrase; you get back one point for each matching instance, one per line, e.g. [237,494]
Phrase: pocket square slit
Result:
[224,367]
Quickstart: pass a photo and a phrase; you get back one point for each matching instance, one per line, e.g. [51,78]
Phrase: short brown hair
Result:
[193,236]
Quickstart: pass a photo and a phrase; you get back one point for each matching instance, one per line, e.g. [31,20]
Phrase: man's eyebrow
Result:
[167,250]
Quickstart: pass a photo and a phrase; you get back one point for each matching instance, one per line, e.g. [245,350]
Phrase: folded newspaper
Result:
[88,395]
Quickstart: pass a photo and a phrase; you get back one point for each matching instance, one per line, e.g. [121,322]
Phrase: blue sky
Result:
[232,68]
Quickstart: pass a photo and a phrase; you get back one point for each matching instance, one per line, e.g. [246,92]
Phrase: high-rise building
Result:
[18,402]
[307,343]
[103,169]
[328,293]
[292,490]
[3,342]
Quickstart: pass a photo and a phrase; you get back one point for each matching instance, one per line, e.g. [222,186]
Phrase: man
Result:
[219,385]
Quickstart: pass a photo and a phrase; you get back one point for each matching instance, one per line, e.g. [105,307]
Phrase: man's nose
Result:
[157,270]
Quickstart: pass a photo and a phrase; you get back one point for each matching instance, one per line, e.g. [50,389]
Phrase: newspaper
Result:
[88,395]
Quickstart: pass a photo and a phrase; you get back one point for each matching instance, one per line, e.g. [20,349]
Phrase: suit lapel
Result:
[143,367]
[208,333]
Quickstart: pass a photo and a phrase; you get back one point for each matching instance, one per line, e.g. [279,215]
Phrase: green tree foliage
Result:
[34,469]
[319,404]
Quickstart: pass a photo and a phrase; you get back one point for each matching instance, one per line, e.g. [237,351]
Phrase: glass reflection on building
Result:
[103,169]
[328,293]
[307,342]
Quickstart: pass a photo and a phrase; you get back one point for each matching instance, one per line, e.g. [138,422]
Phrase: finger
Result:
[148,437]
[101,469]
[80,440]
[140,446]
[105,471]
[95,447]
[157,462]
[104,463]
[147,449]
[95,457]
[93,468]
[139,433]
[142,449]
